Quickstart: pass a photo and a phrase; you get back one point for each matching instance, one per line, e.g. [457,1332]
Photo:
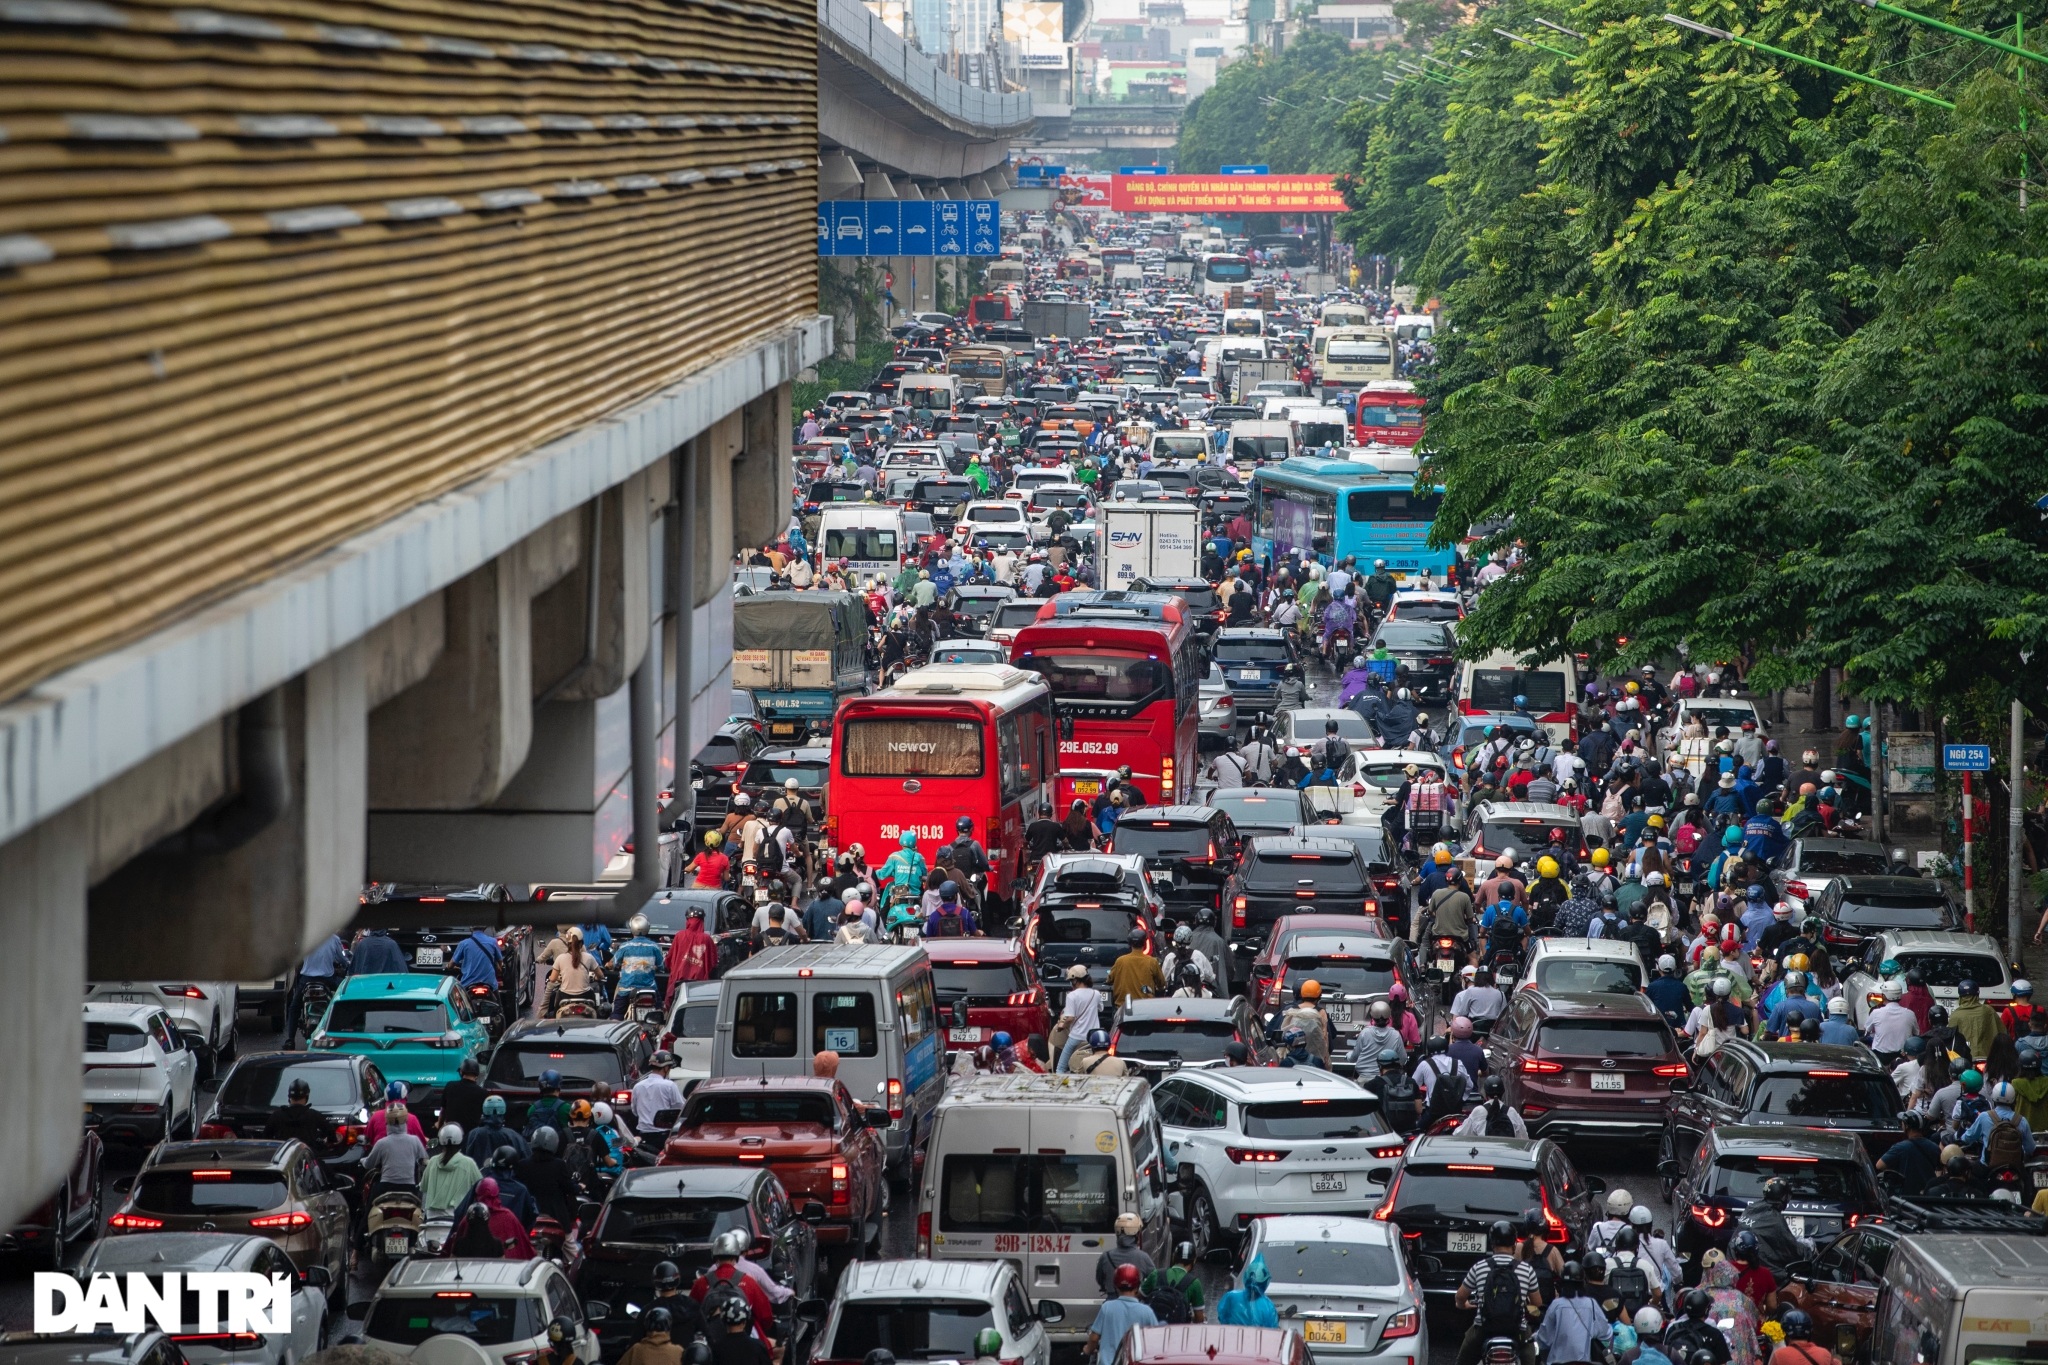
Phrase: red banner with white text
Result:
[1231,194]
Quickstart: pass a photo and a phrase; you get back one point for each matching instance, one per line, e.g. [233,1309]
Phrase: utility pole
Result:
[1877,811]
[2015,830]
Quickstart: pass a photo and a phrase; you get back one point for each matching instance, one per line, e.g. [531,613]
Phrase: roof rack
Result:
[1937,1213]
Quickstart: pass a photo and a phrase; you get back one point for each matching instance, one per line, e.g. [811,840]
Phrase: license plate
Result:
[1446,965]
[1609,1082]
[396,1244]
[1465,1241]
[1685,888]
[760,896]
[1796,1223]
[963,1035]
[1324,1333]
[125,997]
[1087,788]
[1162,876]
[426,957]
[1339,1014]
[1247,675]
[2041,1180]
[1327,1182]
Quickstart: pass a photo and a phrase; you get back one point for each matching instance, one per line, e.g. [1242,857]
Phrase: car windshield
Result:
[386,1016]
[1588,976]
[1714,717]
[1015,1192]
[1929,910]
[763,1106]
[1191,1040]
[1827,1095]
[1065,924]
[1606,1037]
[1326,874]
[262,1084]
[1400,634]
[1743,1177]
[915,1329]
[674,1219]
[1426,611]
[487,1319]
[1475,1187]
[810,773]
[1338,967]
[1164,839]
[521,1064]
[977,605]
[1386,776]
[1016,612]
[1312,730]
[1952,969]
[1315,1120]
[1840,862]
[1271,653]
[114,1038]
[210,1191]
[970,654]
[1495,689]
[1522,836]
[1332,1263]
[978,983]
[1278,810]
[696,1021]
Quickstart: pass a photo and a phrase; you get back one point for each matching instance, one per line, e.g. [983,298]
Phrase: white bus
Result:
[1244,322]
[1356,356]
[867,537]
[1223,272]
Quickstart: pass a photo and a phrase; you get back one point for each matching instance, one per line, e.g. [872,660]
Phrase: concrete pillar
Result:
[875,185]
[42,918]
[570,660]
[838,177]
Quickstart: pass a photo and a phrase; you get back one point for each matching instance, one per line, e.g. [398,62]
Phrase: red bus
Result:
[1389,412]
[1127,691]
[943,742]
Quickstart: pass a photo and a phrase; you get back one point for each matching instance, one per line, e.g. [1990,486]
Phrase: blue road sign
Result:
[1245,170]
[849,219]
[1026,171]
[914,225]
[1142,170]
[885,219]
[984,228]
[1966,758]
[949,228]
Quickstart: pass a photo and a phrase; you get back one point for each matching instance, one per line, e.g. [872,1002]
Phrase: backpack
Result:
[2002,1150]
[769,860]
[1447,1095]
[718,1292]
[1629,1285]
[581,1160]
[1497,1124]
[1500,1298]
[947,923]
[1167,1302]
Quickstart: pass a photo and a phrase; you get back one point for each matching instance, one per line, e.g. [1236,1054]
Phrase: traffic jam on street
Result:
[1118,922]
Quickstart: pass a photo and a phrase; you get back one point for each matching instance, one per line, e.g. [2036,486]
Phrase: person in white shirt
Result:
[655,1092]
[1082,1014]
[800,573]
[1603,1233]
[1437,1065]
[1657,1249]
[1891,1024]
[1491,1114]
[1004,565]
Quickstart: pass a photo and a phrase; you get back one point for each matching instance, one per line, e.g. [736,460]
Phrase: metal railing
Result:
[859,28]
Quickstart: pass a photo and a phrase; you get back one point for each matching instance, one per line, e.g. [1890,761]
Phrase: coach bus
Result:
[1223,272]
[1329,508]
[1127,690]
[942,742]
[1390,413]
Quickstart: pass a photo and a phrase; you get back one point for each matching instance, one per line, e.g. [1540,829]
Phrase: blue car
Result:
[1260,667]
[417,1028]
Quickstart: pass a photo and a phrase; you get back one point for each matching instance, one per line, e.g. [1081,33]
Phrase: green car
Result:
[418,1028]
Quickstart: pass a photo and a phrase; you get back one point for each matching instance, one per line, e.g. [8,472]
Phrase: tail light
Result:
[895,1098]
[1389,1153]
[1706,1215]
[134,1222]
[1554,1230]
[1253,1156]
[347,1134]
[1539,1066]
[1022,997]
[142,1109]
[1165,774]
[1670,1069]
[185,992]
[840,1192]
[924,1234]
[1385,1212]
[1237,905]
[295,1220]
[215,1130]
[1405,1323]
[622,1097]
[1797,888]
[481,991]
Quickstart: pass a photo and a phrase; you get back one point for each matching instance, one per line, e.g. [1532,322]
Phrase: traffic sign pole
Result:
[1969,860]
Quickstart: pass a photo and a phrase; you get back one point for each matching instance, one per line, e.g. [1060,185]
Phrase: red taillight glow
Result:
[134,1222]
[1253,1156]
[1405,1323]
[622,1097]
[1670,1069]
[1385,1211]
[283,1220]
[1541,1067]
[753,1156]
[1793,1160]
[213,1175]
[840,1173]
[186,992]
[1237,905]
[924,1234]
[215,1130]
[1830,1075]
[1706,1215]
[895,1098]
[1486,1169]
[1797,888]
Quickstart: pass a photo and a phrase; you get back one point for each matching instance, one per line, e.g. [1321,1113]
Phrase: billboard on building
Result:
[1036,28]
[1231,194]
[1092,190]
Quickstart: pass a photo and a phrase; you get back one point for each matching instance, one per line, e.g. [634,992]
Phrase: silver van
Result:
[1953,1299]
[872,1005]
[1034,1170]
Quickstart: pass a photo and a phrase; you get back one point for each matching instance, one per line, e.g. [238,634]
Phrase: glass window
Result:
[764,1024]
[1315,1120]
[762,1106]
[673,1218]
[1360,350]
[1101,677]
[114,1038]
[1339,972]
[372,1015]
[1468,1188]
[978,983]
[843,1022]
[916,1012]
[1606,1037]
[911,746]
[1828,1095]
[1160,1040]
[1012,1192]
[1833,862]
[487,1319]
[1164,839]
[1328,873]
[860,542]
[1010,754]
[205,1191]
[916,1329]
[1743,1177]
[1495,689]
[522,1063]
[1924,911]
[1331,1263]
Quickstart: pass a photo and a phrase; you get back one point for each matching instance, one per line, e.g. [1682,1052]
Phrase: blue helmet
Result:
[551,1079]
[908,839]
[1756,891]
[395,1092]
[1001,1039]
[494,1106]
[949,890]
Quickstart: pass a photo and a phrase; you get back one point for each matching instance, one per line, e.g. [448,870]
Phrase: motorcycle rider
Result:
[1764,1218]
[1480,1002]
[1206,941]
[1185,954]
[1799,1347]
[1501,1292]
[1125,1252]
[548,1179]
[575,973]
[902,873]
[325,966]
[512,1193]
[490,1133]
[1136,974]
[1695,1333]
[639,960]
[550,1110]
[1372,1042]
[479,958]
[965,854]
[297,1118]
[1493,1116]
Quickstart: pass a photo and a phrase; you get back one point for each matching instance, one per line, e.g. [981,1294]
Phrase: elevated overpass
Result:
[1152,129]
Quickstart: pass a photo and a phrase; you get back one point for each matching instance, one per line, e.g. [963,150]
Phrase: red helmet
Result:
[1126,1278]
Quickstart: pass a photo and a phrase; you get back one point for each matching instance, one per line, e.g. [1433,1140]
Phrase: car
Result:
[673,1213]
[1204,609]
[972,604]
[1451,1190]
[1391,900]
[1354,967]
[141,1077]
[345,1089]
[432,948]
[998,524]
[1783,1085]
[1808,866]
[809,764]
[1250,1142]
[727,918]
[1369,779]
[151,1347]
[692,1032]
[1212,1344]
[276,1190]
[1852,910]
[69,1216]
[1265,986]
[502,1306]
[1011,617]
[1280,875]
[1716,713]
[1083,913]
[965,651]
[419,1028]
[1426,647]
[1943,960]
[1160,1036]
[1585,1066]
[1304,728]
[1264,674]
[1346,1284]
[203,1012]
[731,747]
[922,1309]
[996,982]
[1518,827]
[598,1059]
[1582,966]
[1256,811]
[1218,711]
[1463,734]
[808,1131]
[1834,1185]
[1188,852]
[199,1253]
[1426,604]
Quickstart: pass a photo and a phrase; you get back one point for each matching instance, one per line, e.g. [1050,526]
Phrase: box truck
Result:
[1148,540]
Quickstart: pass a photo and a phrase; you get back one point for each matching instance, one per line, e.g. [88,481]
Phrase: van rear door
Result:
[1082,1161]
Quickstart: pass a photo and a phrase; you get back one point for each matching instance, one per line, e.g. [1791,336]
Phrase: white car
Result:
[505,1306]
[969,651]
[1944,960]
[141,1077]
[693,1020]
[1344,1283]
[1714,712]
[1250,1142]
[1304,728]
[1582,966]
[1368,780]
[951,1302]
[154,1253]
[204,1011]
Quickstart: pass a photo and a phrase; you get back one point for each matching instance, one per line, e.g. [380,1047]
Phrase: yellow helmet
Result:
[1546,867]
[1633,688]
[1796,962]
[1443,857]
[1656,822]
[713,839]
[1601,857]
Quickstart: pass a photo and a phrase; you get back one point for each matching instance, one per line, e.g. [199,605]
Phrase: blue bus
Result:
[1330,508]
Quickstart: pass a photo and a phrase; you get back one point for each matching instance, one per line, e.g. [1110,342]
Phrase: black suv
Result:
[599,1059]
[1451,1190]
[345,1089]
[1834,1185]
[1788,1086]
[1286,875]
[1853,910]
[1189,852]
[1205,608]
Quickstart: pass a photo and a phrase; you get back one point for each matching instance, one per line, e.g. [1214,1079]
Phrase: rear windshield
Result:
[1344,973]
[1281,810]
[255,1084]
[386,1016]
[1498,836]
[1191,1040]
[521,1064]
[1164,839]
[1251,651]
[810,774]
[1086,926]
[1101,677]
[210,1191]
[1588,976]
[696,1021]
[915,1330]
[1324,873]
[770,1106]
[1335,1263]
[1013,1192]
[1414,634]
[1495,689]
[1827,1095]
[1017,612]
[1897,912]
[1315,1120]
[1475,1188]
[1834,862]
[1743,1177]
[487,1319]
[673,1219]
[1952,969]
[978,982]
[114,1038]
[1313,729]
[1606,1038]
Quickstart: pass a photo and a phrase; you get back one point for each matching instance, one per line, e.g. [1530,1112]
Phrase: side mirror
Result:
[875,1116]
[812,1311]
[1681,1085]
[586,1213]
[1595,1185]
[337,1180]
[1668,1167]
[813,1211]
[596,1311]
[666,1118]
[316,1277]
[1051,1312]
[960,1014]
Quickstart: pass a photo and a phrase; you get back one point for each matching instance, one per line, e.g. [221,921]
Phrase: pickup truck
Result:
[807,1130]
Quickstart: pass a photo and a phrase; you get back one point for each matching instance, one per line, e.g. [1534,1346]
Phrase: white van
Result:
[1244,322]
[939,392]
[1550,690]
[1034,1169]
[1354,357]
[871,1004]
[867,537]
[1315,427]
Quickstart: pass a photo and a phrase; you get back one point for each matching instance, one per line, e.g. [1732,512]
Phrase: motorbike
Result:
[644,1008]
[483,1002]
[434,1234]
[313,1008]
[393,1222]
[577,1005]
[553,1242]
[753,887]
[1448,955]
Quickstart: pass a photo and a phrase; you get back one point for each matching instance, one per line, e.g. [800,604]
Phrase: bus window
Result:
[1365,351]
[860,542]
[876,746]
[1392,504]
[1100,677]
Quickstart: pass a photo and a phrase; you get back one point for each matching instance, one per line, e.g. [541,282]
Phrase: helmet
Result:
[1649,1322]
[908,839]
[450,1135]
[662,1057]
[1640,1216]
[1001,1039]
[1966,987]
[1183,936]
[1838,1005]
[494,1106]
[731,1242]
[1723,987]
[1573,1273]
[659,1320]
[601,1112]
[1798,962]
[1601,857]
[949,890]
[1782,910]
[1777,1191]
[988,1342]
[1697,1304]
[580,1112]
[2023,987]
[559,1330]
[733,1310]
[1501,1234]
[1461,1027]
[1546,866]
[302,1091]
[2003,1093]
[1973,1081]
[1379,564]
[1795,982]
[1127,1278]
[1628,1239]
[1798,1326]
[504,1158]
[1633,687]
[394,1093]
[1380,1012]
[1742,1247]
[1915,1045]
[1493,1087]
[1937,1015]
[572,935]
[1129,1225]
[637,925]
[1619,1202]
[1098,1039]
[1442,857]
[1667,963]
[1310,990]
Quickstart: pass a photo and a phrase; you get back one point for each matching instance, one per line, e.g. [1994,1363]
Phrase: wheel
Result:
[226,1051]
[55,1251]
[1203,1230]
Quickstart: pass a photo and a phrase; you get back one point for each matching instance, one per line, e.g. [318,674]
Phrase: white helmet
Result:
[451,1135]
[1640,1216]
[601,1113]
[1649,1322]
[1838,1005]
